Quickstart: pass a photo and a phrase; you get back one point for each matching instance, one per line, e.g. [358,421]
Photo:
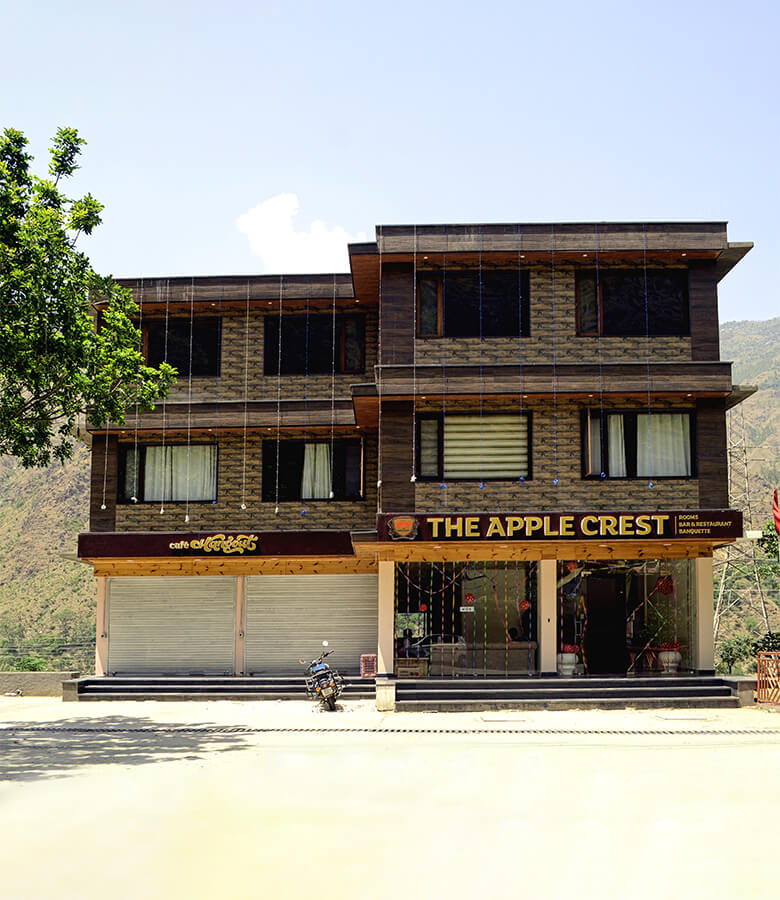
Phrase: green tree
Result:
[60,358]
[733,650]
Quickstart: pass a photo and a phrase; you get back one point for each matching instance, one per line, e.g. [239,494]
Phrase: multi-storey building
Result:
[485,446]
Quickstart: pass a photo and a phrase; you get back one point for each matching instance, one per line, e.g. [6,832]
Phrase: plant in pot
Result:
[670,656]
[567,659]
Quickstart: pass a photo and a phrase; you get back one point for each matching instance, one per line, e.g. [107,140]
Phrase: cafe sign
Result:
[692,525]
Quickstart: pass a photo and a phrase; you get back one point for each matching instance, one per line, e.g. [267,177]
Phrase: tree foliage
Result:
[68,344]
[735,649]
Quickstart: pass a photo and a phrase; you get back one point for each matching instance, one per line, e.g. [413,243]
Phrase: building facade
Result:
[493,450]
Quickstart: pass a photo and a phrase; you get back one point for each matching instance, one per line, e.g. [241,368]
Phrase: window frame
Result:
[271,442]
[526,414]
[630,418]
[341,319]
[440,277]
[603,273]
[215,321]
[122,472]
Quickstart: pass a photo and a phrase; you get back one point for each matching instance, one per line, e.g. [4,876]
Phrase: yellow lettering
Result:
[472,526]
[659,521]
[548,529]
[566,524]
[453,527]
[587,522]
[626,524]
[495,527]
[434,522]
[608,525]
[643,525]
[513,524]
[532,524]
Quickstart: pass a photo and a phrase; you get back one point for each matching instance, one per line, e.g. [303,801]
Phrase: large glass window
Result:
[632,444]
[494,303]
[313,470]
[315,344]
[632,302]
[629,616]
[179,344]
[490,446]
[176,472]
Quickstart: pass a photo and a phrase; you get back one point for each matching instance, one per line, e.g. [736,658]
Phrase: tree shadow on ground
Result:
[61,747]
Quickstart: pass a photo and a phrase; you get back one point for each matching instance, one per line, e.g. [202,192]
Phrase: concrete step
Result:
[459,705]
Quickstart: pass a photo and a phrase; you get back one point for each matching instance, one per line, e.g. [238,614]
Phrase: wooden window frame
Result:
[122,471]
[439,306]
[271,443]
[441,476]
[630,419]
[341,319]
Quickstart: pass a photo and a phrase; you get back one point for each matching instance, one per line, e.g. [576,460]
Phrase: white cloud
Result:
[272,236]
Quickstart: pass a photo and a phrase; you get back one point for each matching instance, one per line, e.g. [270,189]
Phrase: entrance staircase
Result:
[200,687]
[466,694]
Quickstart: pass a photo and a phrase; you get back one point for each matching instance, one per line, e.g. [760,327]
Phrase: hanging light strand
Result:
[164,406]
[136,460]
[279,394]
[246,397]
[554,358]
[414,357]
[647,354]
[332,383]
[444,356]
[602,414]
[189,402]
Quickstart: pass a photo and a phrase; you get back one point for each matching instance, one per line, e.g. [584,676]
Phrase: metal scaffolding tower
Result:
[736,567]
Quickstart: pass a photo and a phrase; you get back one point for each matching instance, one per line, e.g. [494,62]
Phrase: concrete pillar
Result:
[386,618]
[101,632]
[240,655]
[548,616]
[705,634]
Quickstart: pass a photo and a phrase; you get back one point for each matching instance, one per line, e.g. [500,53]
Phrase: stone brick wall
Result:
[237,483]
[556,452]
[244,360]
[553,331]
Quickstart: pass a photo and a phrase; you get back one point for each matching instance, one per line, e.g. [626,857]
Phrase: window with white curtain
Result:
[176,472]
[312,470]
[632,444]
[488,446]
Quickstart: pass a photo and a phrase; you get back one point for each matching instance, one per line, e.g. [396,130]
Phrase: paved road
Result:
[256,800]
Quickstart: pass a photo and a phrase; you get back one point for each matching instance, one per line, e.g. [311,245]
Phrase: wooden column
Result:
[240,655]
[386,618]
[101,631]
[548,617]
[705,634]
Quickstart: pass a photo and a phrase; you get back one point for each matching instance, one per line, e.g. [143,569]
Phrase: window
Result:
[637,445]
[176,472]
[310,346]
[465,304]
[175,348]
[308,472]
[632,302]
[491,446]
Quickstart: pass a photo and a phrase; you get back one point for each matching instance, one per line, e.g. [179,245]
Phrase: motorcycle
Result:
[322,682]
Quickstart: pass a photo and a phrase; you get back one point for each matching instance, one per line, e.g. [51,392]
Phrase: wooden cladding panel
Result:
[712,454]
[235,566]
[397,457]
[104,468]
[467,551]
[703,300]
[396,314]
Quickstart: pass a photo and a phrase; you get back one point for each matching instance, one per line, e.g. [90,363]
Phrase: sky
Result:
[262,137]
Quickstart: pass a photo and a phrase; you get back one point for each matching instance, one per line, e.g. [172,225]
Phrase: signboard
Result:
[691,525]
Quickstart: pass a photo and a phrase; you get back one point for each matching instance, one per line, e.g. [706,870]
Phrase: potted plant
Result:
[669,655]
[567,659]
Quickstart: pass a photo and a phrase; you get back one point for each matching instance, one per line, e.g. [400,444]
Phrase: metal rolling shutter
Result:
[174,625]
[289,616]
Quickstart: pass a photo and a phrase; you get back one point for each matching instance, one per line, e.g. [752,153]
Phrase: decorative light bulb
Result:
[555,481]
[651,484]
[276,511]
[331,495]
[102,505]
[134,499]
[413,478]
[379,483]
[522,479]
[482,485]
[243,506]
[162,510]
[303,512]
[187,517]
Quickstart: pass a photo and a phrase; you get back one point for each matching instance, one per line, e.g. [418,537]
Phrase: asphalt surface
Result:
[255,799]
